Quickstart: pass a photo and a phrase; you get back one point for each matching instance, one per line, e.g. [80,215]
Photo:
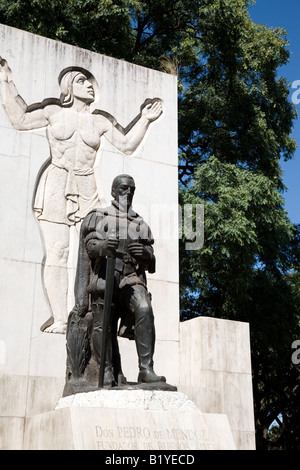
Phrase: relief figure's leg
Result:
[55,275]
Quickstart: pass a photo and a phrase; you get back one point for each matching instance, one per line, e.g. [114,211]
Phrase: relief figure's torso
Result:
[74,138]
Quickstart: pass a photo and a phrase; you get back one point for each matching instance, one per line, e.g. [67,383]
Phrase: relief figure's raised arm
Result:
[21,116]
[127,140]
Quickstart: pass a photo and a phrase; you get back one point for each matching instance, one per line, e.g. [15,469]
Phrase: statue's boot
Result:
[145,342]
[149,376]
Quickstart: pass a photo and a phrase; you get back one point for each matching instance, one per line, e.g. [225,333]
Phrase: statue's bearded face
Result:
[124,192]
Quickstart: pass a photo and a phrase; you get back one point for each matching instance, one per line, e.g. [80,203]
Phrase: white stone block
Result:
[17,294]
[166,326]
[215,372]
[13,389]
[130,399]
[11,433]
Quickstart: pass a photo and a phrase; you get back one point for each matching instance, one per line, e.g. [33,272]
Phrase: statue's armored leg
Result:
[116,357]
[97,335]
[144,335]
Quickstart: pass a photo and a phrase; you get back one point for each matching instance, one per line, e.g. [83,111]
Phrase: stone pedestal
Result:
[128,420]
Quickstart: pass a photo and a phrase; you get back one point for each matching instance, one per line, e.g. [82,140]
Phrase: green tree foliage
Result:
[235,107]
[101,26]
[235,125]
[247,271]
[247,233]
[235,121]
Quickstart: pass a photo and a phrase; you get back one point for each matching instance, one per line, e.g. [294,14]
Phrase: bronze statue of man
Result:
[116,231]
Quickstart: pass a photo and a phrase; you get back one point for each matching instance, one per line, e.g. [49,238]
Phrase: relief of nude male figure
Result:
[67,189]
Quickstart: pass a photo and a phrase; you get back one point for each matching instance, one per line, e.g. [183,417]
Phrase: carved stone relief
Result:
[67,189]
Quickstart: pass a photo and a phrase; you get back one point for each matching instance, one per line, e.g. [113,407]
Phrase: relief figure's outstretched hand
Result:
[153,110]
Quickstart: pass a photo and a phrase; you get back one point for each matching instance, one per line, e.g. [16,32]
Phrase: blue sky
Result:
[286,14]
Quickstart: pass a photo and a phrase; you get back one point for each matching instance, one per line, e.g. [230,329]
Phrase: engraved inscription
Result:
[144,438]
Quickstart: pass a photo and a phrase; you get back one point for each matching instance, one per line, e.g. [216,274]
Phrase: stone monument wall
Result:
[32,363]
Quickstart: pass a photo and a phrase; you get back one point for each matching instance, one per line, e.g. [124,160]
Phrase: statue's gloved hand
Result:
[96,247]
[139,251]
[109,245]
[93,247]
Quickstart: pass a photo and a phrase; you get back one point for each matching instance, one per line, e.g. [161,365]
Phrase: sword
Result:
[109,287]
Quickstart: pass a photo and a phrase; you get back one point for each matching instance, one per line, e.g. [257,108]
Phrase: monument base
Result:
[128,420]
